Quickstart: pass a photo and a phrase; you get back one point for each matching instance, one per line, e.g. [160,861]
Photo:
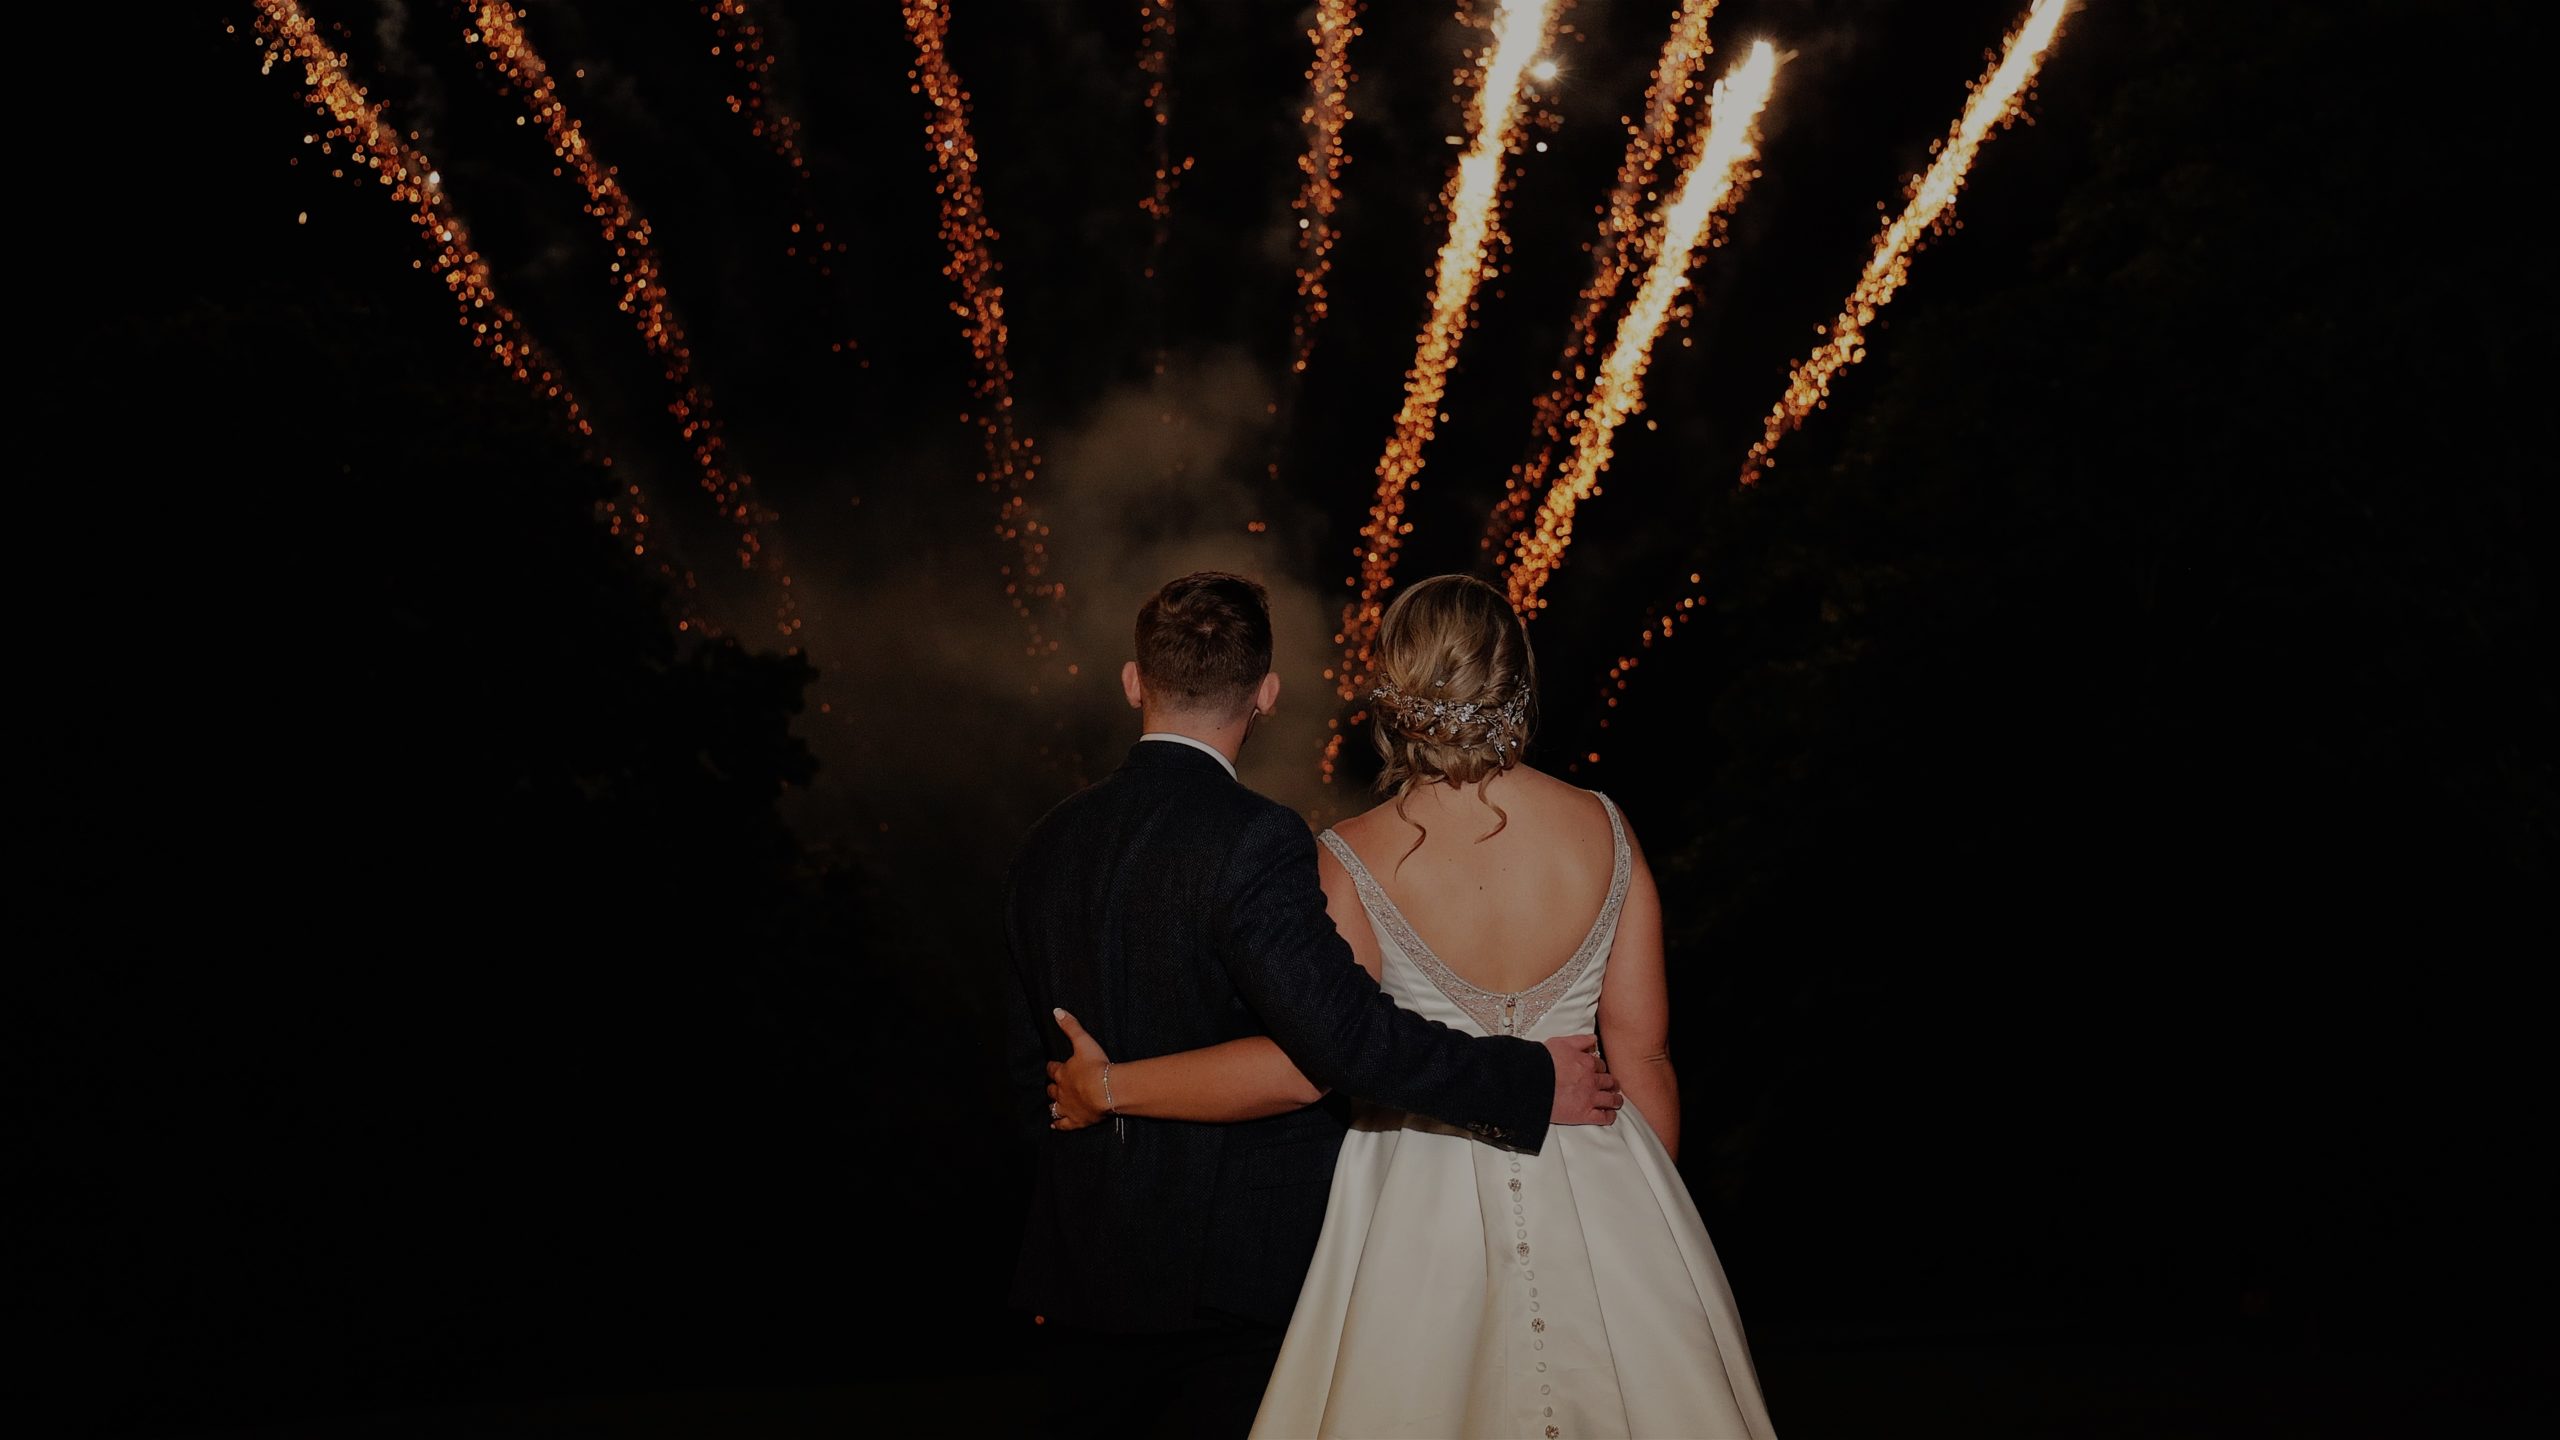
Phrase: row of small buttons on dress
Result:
[1537,1322]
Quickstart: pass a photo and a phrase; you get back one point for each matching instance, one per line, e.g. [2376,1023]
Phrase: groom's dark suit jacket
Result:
[1168,907]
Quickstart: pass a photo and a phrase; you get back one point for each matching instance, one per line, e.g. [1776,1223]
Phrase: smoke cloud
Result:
[1164,479]
[932,707]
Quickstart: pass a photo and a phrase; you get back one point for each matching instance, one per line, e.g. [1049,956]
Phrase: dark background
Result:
[2104,810]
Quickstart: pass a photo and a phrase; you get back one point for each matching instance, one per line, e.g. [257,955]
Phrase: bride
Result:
[1461,1288]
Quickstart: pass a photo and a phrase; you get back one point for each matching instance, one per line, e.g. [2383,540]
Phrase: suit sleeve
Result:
[1295,970]
[1026,1057]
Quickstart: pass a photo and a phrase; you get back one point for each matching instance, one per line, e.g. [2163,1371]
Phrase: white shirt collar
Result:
[1203,746]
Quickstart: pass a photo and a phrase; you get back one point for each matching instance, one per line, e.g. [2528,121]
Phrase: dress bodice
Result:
[1566,1002]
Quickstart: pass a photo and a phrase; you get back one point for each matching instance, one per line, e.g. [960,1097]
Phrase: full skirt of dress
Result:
[1460,1289]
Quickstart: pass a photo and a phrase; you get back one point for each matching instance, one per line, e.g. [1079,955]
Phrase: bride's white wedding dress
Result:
[1464,1290]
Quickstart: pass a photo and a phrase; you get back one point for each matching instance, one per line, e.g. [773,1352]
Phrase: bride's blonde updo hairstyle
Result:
[1457,688]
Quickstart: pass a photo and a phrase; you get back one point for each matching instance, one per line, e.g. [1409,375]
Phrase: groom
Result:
[1168,907]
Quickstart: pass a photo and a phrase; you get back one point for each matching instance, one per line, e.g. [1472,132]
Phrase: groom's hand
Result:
[1586,1093]
[1075,1083]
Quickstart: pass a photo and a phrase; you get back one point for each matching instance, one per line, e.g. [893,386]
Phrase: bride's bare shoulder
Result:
[1374,827]
[1566,807]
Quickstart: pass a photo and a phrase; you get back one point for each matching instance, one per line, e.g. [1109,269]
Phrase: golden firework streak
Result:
[970,238]
[1713,181]
[287,34]
[1520,31]
[1624,245]
[1327,110]
[1994,103]
[499,28]
[1320,186]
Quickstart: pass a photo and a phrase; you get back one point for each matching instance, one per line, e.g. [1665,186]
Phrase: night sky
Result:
[2103,803]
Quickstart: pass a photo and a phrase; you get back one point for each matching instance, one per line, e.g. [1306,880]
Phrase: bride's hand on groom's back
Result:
[1076,1084]
[1586,1093]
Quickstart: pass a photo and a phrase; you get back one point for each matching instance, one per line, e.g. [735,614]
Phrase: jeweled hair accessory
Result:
[1428,718]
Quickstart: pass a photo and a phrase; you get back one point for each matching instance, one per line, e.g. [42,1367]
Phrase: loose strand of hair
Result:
[1404,792]
[1501,817]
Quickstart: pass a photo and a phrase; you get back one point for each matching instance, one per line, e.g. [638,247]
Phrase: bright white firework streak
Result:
[1520,32]
[1994,103]
[1711,184]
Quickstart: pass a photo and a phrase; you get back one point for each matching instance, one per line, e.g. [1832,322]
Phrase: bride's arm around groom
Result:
[1330,1027]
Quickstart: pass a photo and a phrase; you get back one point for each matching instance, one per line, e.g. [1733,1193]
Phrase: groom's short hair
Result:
[1204,641]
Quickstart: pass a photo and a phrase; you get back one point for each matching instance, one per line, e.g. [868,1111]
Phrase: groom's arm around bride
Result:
[1330,1017]
[1319,1040]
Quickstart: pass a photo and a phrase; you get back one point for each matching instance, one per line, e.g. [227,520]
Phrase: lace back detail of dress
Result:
[1499,1012]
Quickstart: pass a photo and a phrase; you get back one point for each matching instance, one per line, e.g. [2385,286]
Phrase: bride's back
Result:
[1500,869]
[1502,899]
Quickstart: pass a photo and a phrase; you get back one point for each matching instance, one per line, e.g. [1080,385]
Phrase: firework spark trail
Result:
[742,39]
[1328,109]
[1320,186]
[1011,463]
[1659,625]
[1712,183]
[1155,61]
[1625,245]
[1520,31]
[1994,103]
[287,34]
[499,27]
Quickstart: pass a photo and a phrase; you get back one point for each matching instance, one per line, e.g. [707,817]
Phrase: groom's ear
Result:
[1267,698]
[1129,685]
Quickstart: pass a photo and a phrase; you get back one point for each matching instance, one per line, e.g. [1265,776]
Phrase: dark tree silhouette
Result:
[475,1022]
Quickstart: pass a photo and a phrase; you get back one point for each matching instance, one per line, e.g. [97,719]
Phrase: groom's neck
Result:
[1227,738]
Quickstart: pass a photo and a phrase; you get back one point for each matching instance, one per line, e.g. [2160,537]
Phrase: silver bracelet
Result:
[1119,1126]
